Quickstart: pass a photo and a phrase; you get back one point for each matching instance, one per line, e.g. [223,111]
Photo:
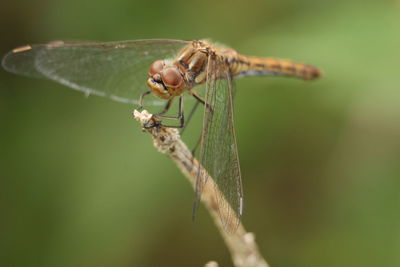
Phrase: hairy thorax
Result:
[170,78]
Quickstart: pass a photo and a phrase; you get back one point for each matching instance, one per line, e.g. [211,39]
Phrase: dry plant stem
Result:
[241,244]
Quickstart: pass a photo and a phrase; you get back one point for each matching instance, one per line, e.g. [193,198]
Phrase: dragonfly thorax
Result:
[170,78]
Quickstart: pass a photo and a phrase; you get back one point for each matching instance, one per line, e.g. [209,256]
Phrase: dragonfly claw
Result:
[153,122]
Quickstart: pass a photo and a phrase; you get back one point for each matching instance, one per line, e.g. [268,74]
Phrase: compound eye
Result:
[156,67]
[171,77]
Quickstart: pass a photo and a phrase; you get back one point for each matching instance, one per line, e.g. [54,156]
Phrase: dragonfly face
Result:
[165,80]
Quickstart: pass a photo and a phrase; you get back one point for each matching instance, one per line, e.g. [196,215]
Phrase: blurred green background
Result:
[81,185]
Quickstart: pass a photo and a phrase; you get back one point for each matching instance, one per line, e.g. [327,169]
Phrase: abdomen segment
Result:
[255,66]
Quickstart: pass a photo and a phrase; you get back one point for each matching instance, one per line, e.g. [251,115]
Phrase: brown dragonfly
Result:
[173,67]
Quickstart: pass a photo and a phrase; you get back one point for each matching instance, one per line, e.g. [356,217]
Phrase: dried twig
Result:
[241,244]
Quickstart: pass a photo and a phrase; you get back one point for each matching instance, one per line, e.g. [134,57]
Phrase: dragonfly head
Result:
[165,81]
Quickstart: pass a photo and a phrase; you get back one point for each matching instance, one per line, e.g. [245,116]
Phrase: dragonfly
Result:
[171,69]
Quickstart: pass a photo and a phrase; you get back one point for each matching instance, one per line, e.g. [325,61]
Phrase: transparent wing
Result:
[219,155]
[116,69]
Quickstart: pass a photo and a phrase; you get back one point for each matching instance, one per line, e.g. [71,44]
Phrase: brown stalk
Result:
[241,244]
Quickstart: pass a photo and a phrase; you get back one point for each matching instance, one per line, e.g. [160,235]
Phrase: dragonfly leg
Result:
[141,99]
[200,99]
[196,105]
[180,116]
[166,108]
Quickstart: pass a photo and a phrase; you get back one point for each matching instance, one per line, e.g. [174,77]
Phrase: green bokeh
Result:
[81,185]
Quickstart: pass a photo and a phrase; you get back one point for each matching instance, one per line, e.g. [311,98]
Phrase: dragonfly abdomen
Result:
[255,66]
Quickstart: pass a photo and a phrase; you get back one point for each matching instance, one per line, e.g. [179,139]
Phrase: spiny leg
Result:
[196,105]
[166,108]
[200,99]
[180,116]
[141,99]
